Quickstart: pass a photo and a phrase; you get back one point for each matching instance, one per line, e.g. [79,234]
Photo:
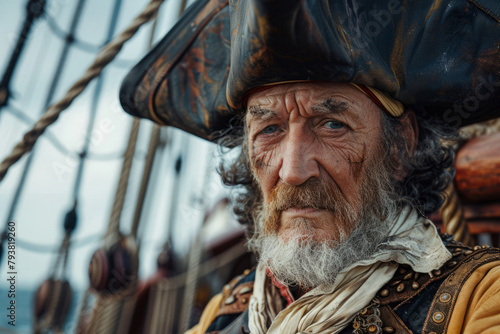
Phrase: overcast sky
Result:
[47,194]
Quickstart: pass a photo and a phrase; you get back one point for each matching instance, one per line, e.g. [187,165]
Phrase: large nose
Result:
[298,159]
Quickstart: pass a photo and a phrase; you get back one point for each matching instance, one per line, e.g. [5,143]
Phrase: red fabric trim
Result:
[373,97]
[284,291]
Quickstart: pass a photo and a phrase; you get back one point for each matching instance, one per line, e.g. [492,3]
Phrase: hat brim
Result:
[442,55]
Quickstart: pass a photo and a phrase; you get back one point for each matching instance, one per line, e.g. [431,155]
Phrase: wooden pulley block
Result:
[113,269]
[52,301]
[99,270]
[42,298]
[478,169]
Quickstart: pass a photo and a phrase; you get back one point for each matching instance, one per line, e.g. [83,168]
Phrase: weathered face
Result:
[316,139]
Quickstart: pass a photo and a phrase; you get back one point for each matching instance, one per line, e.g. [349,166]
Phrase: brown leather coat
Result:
[461,297]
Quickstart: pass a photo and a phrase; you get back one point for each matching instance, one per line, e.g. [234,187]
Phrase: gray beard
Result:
[301,260]
[308,263]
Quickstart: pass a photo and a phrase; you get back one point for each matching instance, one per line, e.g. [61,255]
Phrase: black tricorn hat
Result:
[443,55]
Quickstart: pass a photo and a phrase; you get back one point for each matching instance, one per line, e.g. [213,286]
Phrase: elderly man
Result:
[337,184]
[342,156]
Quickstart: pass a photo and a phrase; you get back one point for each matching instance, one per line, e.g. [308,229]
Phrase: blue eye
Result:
[334,124]
[270,129]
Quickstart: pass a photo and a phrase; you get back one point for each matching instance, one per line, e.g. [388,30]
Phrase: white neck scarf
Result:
[329,308]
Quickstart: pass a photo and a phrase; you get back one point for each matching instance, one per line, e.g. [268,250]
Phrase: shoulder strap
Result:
[444,301]
[235,297]
[407,288]
[407,284]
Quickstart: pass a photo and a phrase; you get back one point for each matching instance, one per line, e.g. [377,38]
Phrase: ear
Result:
[409,131]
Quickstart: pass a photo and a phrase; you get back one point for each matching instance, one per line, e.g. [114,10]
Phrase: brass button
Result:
[417,275]
[437,272]
[372,329]
[389,330]
[469,252]
[438,317]
[477,247]
[452,264]
[445,297]
[246,272]
[244,300]
[230,300]
[458,249]
[384,293]
[485,246]
[401,287]
[408,277]
[395,283]
[415,286]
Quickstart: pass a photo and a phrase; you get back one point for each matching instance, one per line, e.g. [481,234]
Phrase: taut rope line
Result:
[114,309]
[146,175]
[107,54]
[452,213]
[113,232]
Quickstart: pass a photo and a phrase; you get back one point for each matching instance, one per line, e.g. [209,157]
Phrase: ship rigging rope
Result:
[113,311]
[42,248]
[83,45]
[121,191]
[21,116]
[114,222]
[34,9]
[154,142]
[452,211]
[57,144]
[208,266]
[107,54]
[60,33]
[61,256]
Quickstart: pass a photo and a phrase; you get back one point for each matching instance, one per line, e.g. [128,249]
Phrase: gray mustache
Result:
[311,194]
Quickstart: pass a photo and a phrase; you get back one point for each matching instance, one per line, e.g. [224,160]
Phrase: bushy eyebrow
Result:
[261,113]
[330,106]
[326,107]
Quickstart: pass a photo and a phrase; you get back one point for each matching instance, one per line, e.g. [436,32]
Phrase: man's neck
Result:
[298,292]
[289,293]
